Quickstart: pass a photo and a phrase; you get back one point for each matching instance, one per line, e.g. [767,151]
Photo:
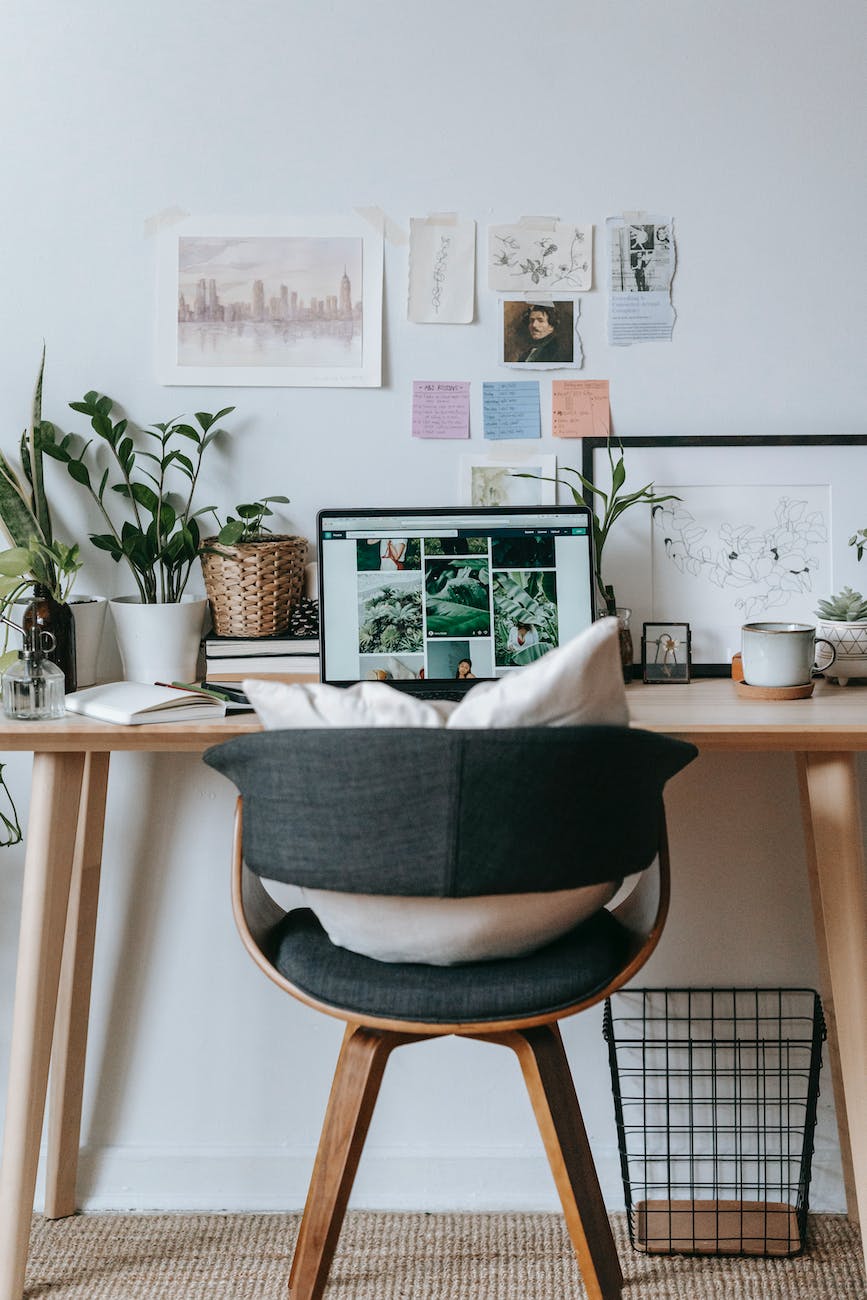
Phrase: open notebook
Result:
[136,703]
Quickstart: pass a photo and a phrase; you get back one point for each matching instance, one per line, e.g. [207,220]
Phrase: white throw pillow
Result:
[578,684]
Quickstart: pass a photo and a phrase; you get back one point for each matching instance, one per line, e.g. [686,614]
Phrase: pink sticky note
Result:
[579,408]
[440,409]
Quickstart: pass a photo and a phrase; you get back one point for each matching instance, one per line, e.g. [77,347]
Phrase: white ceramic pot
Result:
[159,643]
[850,642]
[89,615]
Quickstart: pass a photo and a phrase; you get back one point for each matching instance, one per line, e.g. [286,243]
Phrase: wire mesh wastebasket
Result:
[715,1095]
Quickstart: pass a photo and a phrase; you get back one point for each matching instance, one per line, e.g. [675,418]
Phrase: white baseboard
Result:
[255,1179]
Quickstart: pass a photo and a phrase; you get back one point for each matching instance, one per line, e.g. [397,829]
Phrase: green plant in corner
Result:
[34,554]
[611,506]
[159,539]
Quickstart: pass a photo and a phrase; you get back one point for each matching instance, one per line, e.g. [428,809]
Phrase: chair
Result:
[438,813]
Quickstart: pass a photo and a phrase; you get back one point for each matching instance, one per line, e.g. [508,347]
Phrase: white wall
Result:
[207,1086]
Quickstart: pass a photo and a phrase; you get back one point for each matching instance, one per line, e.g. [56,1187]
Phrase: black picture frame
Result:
[666,653]
[728,471]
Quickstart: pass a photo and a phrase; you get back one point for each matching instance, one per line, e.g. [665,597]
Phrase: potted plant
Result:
[843,622]
[253,577]
[157,535]
[35,561]
[605,509]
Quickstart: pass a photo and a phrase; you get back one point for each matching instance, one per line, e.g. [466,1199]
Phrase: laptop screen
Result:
[415,597]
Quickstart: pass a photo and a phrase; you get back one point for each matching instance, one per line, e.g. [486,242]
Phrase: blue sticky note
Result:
[512,410]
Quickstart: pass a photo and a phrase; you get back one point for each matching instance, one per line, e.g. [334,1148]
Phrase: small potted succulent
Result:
[253,577]
[843,622]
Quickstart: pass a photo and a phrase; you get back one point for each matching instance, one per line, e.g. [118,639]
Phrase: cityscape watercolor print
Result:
[268,301]
[270,305]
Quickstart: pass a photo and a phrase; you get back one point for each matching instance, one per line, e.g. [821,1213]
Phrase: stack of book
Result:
[292,655]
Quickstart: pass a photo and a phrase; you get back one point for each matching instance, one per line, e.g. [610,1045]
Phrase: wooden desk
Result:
[61,880]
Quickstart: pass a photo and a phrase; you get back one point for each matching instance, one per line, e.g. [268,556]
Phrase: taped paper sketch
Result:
[526,258]
[641,260]
[766,556]
[442,272]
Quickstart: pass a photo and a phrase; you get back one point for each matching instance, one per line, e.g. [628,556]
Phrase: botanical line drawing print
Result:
[439,272]
[542,268]
[768,566]
[522,259]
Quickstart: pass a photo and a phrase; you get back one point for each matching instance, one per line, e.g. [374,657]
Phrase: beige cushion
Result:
[578,684]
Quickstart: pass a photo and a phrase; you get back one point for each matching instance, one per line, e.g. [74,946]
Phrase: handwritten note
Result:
[440,410]
[512,410]
[579,408]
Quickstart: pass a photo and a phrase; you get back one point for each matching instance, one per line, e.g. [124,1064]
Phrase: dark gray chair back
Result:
[450,814]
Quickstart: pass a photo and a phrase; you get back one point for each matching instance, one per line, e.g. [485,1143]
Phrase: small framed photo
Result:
[666,653]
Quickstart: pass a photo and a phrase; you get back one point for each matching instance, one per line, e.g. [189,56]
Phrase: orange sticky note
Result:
[579,408]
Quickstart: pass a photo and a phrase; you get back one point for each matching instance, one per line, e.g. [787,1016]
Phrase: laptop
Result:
[433,601]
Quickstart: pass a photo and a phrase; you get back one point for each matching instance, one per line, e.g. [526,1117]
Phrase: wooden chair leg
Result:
[357,1078]
[549,1082]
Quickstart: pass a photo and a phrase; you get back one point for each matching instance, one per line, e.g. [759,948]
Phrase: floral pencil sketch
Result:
[560,259]
[767,566]
[439,272]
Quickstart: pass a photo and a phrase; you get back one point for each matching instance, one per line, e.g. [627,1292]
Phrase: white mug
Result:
[780,654]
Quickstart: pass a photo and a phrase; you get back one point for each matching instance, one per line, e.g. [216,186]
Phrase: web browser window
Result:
[450,596]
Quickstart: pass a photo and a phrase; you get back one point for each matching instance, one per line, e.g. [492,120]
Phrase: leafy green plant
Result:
[249,525]
[847,606]
[859,541]
[606,508]
[160,537]
[25,518]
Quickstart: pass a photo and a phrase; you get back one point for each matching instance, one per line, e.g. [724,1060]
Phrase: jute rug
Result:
[404,1257]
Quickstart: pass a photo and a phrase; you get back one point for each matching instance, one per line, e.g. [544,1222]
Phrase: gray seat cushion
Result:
[549,979]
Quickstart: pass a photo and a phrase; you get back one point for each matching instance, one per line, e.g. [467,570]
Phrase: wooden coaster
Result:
[774,692]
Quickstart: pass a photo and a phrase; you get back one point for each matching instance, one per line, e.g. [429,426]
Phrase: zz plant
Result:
[159,538]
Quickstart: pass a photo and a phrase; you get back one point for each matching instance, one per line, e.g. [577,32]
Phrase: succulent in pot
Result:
[843,622]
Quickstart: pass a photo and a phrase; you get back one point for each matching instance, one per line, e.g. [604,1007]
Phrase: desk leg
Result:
[51,829]
[835,859]
[66,1081]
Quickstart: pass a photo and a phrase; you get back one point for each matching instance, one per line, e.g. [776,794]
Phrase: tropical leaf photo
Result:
[457,597]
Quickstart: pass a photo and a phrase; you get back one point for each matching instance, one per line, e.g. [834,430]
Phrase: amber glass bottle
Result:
[45,614]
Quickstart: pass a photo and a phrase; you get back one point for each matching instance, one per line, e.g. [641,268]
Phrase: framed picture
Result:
[665,653]
[270,302]
[539,335]
[760,531]
[491,481]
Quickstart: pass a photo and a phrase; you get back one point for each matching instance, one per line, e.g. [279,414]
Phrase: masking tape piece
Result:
[539,223]
[389,229]
[442,219]
[168,217]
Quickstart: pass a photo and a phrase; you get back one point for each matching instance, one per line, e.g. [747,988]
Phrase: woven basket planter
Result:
[253,586]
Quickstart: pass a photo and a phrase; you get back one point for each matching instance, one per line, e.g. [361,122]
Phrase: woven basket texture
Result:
[254,586]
